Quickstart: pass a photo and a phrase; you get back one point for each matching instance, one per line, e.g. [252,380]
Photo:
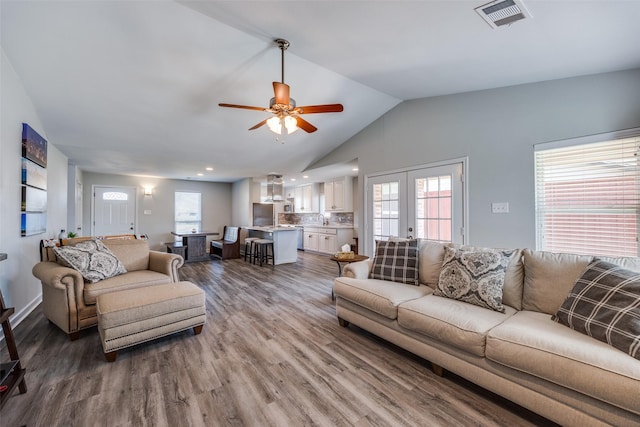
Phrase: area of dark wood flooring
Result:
[271,354]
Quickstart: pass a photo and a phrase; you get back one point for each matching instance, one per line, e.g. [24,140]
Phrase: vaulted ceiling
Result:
[133,87]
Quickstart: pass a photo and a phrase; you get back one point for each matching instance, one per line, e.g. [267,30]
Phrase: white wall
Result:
[241,202]
[19,288]
[496,129]
[216,204]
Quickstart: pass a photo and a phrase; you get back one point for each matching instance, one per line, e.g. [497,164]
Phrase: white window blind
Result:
[587,198]
[188,212]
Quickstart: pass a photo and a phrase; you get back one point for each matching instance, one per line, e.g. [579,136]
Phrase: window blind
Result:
[587,198]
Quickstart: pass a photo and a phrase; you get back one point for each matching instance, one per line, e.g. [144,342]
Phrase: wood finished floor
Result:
[271,354]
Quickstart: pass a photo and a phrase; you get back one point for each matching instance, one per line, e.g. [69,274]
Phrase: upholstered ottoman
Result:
[133,316]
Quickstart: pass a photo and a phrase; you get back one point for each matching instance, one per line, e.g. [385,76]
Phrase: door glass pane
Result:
[433,208]
[385,210]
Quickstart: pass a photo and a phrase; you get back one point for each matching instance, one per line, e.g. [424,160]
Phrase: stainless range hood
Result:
[275,188]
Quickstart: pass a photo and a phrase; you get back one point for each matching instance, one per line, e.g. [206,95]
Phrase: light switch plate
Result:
[500,207]
[147,211]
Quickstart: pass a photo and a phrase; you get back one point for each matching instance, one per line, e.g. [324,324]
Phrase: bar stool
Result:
[261,251]
[248,247]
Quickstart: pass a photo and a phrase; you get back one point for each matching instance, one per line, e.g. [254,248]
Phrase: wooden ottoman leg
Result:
[111,356]
[197,329]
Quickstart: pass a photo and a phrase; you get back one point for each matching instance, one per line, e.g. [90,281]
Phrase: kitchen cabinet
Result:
[306,199]
[327,240]
[310,241]
[327,243]
[338,195]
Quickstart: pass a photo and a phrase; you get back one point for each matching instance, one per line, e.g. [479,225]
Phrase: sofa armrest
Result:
[166,263]
[62,289]
[358,270]
[57,276]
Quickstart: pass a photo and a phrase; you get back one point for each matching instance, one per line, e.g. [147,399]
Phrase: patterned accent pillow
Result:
[605,304]
[92,259]
[474,276]
[396,261]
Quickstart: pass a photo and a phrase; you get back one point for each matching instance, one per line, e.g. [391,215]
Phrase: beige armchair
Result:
[69,302]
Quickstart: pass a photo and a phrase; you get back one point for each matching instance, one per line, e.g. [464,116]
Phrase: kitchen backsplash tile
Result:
[332,218]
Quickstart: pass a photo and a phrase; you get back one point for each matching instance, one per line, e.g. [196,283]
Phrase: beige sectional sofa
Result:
[521,354]
[70,303]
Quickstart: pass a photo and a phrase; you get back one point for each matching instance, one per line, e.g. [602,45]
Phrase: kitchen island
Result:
[285,242]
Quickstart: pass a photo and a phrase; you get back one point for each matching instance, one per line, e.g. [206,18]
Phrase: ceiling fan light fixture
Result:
[276,124]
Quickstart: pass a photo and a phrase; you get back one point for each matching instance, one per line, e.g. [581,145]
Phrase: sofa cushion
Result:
[134,254]
[474,276]
[430,258]
[548,278]
[456,323]
[396,261]
[130,280]
[531,342]
[605,304]
[92,259]
[380,296]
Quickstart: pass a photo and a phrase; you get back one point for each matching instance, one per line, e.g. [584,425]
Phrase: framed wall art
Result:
[33,210]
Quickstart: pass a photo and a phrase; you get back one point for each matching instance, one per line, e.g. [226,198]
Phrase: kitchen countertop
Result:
[316,226]
[270,229]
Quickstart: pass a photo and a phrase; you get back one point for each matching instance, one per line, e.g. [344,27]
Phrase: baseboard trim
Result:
[22,314]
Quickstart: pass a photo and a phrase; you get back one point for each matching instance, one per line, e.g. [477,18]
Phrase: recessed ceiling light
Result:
[209,168]
[306,176]
[355,169]
[293,179]
[200,174]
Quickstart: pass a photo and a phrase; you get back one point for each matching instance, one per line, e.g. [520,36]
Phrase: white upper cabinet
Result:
[306,198]
[338,195]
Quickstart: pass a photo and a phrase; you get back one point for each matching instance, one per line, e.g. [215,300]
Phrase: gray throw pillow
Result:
[605,304]
[396,261]
[474,276]
[92,259]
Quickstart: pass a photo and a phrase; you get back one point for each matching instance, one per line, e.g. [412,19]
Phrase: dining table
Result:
[195,244]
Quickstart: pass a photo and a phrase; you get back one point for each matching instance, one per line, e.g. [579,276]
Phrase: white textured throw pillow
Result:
[92,259]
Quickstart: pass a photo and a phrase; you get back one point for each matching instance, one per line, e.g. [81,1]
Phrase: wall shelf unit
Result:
[11,372]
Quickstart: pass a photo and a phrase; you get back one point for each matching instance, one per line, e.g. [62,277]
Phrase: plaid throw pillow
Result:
[605,304]
[396,261]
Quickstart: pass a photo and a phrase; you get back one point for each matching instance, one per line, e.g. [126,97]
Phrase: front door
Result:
[114,210]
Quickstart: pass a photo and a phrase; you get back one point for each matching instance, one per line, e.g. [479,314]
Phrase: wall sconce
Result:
[148,191]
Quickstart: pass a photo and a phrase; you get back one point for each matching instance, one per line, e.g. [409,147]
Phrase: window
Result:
[188,212]
[587,195]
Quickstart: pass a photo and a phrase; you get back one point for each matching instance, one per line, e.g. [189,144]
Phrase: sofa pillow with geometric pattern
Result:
[474,276]
[605,304]
[396,261]
[92,259]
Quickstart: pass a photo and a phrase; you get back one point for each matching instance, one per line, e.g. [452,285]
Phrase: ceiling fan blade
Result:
[259,124]
[305,125]
[281,91]
[246,107]
[327,108]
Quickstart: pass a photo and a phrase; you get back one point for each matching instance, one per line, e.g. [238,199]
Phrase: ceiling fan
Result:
[286,119]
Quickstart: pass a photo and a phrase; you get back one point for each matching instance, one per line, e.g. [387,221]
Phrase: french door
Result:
[425,203]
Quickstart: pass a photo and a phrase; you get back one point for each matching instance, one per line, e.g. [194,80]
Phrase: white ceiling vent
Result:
[503,12]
